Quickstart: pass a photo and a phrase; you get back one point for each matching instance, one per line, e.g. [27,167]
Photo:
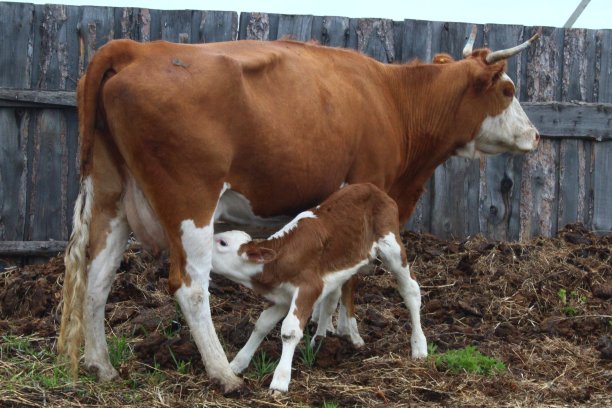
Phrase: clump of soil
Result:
[542,307]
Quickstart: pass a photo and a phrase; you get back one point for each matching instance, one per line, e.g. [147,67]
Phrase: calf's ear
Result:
[260,255]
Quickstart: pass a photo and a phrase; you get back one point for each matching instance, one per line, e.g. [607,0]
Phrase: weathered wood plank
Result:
[602,152]
[331,31]
[47,206]
[375,37]
[218,26]
[15,29]
[457,177]
[12,176]
[571,119]
[539,185]
[36,98]
[258,26]
[575,155]
[31,248]
[295,27]
[500,176]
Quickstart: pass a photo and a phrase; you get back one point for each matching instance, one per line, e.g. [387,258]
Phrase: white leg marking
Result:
[291,334]
[324,309]
[266,322]
[347,327]
[195,304]
[409,289]
[99,280]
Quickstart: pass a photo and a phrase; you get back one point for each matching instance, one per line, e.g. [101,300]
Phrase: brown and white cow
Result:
[308,260]
[177,136]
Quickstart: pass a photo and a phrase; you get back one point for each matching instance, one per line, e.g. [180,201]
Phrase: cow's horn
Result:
[467,50]
[507,53]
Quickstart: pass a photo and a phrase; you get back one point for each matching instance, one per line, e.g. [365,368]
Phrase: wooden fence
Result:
[564,82]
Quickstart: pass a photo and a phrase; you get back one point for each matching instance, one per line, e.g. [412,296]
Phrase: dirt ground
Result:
[504,298]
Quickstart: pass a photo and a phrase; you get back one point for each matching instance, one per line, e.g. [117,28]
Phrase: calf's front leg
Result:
[292,331]
[266,322]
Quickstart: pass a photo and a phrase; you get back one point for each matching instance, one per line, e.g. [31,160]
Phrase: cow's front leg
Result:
[191,284]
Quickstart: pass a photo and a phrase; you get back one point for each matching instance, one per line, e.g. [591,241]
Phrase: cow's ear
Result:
[442,59]
[489,76]
[260,255]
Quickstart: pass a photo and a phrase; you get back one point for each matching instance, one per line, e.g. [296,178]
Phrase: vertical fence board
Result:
[456,182]
[602,152]
[331,31]
[16,24]
[540,177]
[578,83]
[218,26]
[295,27]
[46,210]
[12,176]
[376,38]
[500,175]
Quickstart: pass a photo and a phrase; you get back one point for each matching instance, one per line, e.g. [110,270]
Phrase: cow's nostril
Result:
[537,137]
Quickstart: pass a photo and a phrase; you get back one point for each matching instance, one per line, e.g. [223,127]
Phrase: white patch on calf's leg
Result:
[266,322]
[324,309]
[195,303]
[291,333]
[409,289]
[99,280]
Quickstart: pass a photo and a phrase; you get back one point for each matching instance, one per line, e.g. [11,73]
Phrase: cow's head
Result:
[504,125]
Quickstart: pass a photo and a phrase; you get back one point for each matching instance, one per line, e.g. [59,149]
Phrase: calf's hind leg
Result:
[393,256]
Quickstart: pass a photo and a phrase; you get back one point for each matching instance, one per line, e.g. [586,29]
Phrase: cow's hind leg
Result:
[393,256]
[109,235]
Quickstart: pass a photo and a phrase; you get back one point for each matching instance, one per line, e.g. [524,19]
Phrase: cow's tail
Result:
[109,60]
[75,278]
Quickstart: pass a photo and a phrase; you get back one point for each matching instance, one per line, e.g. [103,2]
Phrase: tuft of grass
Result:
[182,366]
[118,350]
[468,359]
[263,365]
[308,354]
[571,303]
[332,404]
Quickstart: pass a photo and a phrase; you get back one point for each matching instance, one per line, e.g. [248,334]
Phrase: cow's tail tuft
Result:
[75,278]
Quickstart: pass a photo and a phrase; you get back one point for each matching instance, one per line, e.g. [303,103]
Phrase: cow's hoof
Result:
[103,372]
[234,387]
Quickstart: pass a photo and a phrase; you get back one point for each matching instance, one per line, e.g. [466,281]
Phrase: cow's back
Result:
[285,122]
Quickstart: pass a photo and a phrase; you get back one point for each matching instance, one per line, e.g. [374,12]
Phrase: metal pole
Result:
[570,22]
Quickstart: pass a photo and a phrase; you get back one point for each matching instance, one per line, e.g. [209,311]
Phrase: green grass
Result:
[181,366]
[467,360]
[263,365]
[571,304]
[330,404]
[118,350]
[308,354]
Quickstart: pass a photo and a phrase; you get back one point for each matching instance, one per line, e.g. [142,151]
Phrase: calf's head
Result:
[490,99]
[235,252]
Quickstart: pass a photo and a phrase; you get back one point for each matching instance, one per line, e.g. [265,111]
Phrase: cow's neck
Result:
[429,104]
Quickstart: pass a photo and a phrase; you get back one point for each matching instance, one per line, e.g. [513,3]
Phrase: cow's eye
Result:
[222,243]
